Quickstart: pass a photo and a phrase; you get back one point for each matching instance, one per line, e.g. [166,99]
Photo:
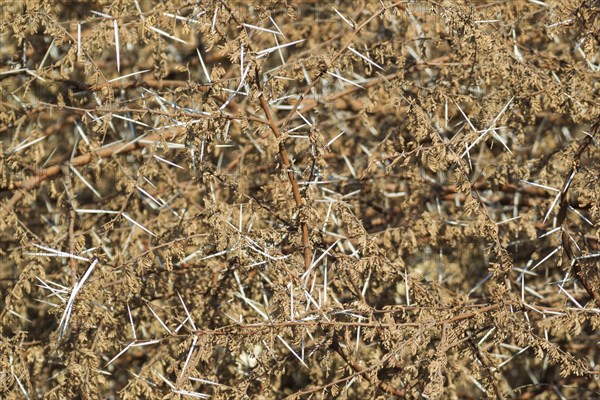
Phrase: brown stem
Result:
[285,160]
[290,172]
[83,159]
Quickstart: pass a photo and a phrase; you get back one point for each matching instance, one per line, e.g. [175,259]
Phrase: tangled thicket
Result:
[299,198]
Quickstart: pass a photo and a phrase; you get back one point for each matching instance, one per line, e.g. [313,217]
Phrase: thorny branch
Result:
[583,277]
[291,176]
[83,159]
[194,292]
[285,160]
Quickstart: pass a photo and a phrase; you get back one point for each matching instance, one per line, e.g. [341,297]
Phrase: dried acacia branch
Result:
[590,288]
[290,173]
[106,152]
[405,240]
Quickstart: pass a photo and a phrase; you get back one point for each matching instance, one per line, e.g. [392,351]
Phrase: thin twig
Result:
[106,152]
[290,172]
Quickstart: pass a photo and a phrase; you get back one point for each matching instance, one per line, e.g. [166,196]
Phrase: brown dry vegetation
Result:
[306,198]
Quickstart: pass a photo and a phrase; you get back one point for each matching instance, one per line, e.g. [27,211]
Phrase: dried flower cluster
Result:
[303,199]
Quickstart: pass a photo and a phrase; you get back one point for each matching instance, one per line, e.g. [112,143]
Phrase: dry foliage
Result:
[308,199]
